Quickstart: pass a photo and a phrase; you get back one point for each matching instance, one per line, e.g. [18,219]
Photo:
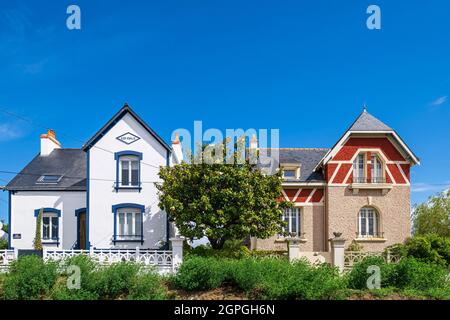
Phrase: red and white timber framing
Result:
[396,169]
[304,196]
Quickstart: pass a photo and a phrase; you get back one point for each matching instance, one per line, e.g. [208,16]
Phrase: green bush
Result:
[114,281]
[3,244]
[279,279]
[418,275]
[148,287]
[430,248]
[261,278]
[233,249]
[357,277]
[29,278]
[88,280]
[199,273]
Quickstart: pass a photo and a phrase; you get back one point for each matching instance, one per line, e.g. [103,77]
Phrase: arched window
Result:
[368,223]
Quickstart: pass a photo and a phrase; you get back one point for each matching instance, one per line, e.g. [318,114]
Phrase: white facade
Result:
[102,170]
[98,209]
[23,222]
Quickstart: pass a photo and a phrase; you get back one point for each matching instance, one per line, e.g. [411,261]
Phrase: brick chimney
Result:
[49,143]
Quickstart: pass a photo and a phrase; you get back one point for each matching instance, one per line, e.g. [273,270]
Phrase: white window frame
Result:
[365,213]
[288,215]
[374,161]
[360,159]
[129,159]
[136,231]
[50,215]
[291,167]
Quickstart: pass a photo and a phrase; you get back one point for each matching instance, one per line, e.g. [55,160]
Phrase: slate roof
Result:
[367,122]
[70,163]
[308,158]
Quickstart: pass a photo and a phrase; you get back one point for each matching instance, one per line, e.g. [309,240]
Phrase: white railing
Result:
[353,257]
[6,257]
[161,259]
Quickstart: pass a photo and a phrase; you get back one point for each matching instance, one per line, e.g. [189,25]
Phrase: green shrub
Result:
[279,279]
[88,280]
[430,248]
[114,281]
[233,249]
[148,287]
[29,278]
[199,273]
[269,278]
[418,275]
[357,277]
[3,244]
[269,254]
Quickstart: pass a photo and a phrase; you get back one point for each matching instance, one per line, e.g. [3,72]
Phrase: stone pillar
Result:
[293,249]
[337,250]
[177,252]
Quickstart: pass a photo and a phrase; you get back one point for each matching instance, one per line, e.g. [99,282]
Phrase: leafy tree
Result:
[38,238]
[433,216]
[5,227]
[218,196]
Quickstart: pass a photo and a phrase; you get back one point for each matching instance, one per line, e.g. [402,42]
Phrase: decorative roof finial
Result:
[365,107]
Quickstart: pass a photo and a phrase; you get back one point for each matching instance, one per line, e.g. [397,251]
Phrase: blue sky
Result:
[305,67]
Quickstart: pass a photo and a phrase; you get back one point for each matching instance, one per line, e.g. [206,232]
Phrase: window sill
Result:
[128,188]
[47,242]
[370,239]
[128,241]
[385,187]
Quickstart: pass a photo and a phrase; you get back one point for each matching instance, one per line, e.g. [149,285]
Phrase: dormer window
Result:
[49,179]
[128,171]
[291,172]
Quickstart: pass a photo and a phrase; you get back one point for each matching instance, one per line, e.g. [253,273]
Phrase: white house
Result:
[102,195]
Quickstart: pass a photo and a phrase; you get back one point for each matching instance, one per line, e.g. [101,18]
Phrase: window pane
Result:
[134,173]
[55,227]
[138,223]
[129,223]
[121,223]
[286,219]
[363,222]
[294,221]
[125,173]
[289,173]
[45,228]
[370,218]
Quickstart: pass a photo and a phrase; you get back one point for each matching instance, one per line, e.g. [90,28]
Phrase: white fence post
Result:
[177,252]
[91,252]
[137,254]
[294,249]
[16,253]
[44,253]
[337,251]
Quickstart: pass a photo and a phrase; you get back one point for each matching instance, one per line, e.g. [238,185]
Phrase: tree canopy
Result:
[221,199]
[433,216]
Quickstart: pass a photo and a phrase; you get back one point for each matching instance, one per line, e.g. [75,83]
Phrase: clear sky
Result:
[304,67]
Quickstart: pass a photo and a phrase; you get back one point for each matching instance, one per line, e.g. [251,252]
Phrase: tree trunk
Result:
[217,244]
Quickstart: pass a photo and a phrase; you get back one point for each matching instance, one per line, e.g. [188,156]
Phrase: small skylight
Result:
[49,179]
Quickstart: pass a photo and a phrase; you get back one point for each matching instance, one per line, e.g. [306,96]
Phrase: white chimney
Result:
[177,155]
[49,143]
[254,142]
